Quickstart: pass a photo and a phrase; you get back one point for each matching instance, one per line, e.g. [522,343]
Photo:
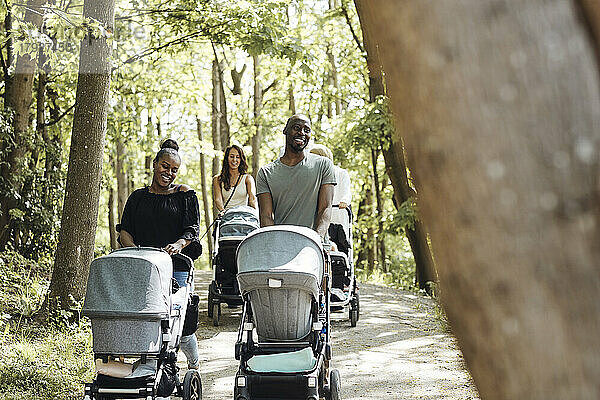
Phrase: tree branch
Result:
[148,52]
[57,119]
[349,22]
[272,85]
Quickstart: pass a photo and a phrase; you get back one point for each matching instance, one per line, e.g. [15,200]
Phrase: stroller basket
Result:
[281,269]
[128,295]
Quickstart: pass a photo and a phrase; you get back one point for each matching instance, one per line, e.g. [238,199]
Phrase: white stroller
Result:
[136,314]
[344,288]
[283,342]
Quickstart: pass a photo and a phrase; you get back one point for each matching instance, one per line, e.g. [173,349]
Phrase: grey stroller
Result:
[344,287]
[138,314]
[283,341]
[230,230]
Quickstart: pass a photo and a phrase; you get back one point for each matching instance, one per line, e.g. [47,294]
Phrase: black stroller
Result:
[233,226]
[138,314]
[344,288]
[283,341]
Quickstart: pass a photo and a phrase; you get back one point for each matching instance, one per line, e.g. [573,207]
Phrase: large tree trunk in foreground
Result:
[499,105]
[80,212]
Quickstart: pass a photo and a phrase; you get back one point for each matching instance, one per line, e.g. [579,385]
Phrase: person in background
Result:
[165,215]
[234,187]
[339,229]
[296,189]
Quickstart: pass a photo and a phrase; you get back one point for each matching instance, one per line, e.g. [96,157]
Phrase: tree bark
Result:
[224,123]
[258,99]
[417,237]
[380,237]
[396,166]
[499,106]
[75,248]
[111,219]
[203,182]
[335,83]
[121,172]
[216,125]
[291,99]
[18,98]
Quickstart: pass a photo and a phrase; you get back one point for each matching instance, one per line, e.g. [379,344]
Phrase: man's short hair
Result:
[294,118]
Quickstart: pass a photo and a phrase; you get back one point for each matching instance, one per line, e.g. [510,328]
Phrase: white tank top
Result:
[240,196]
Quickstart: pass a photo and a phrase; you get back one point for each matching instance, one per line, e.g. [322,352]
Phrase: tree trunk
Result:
[371,246]
[121,173]
[396,167]
[75,248]
[417,238]
[380,237]
[216,125]
[257,138]
[18,98]
[40,109]
[365,209]
[335,83]
[224,123]
[111,219]
[291,99]
[499,106]
[205,198]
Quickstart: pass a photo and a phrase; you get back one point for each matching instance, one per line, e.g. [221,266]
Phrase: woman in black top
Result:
[165,215]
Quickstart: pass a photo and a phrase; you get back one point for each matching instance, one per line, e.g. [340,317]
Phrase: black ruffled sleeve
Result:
[191,225]
[127,219]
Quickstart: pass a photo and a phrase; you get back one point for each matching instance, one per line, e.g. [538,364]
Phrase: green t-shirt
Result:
[295,190]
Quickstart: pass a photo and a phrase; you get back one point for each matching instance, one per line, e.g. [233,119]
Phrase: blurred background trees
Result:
[208,74]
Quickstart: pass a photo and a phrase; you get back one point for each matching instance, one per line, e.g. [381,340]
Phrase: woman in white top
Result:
[233,178]
[342,196]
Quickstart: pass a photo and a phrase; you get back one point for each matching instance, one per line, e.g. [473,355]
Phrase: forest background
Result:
[206,73]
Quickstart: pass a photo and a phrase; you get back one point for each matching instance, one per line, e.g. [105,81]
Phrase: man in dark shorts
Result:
[296,189]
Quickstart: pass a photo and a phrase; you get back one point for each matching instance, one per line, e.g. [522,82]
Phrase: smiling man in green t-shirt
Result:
[296,189]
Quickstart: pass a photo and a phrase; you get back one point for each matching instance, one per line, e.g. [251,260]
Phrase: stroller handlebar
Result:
[348,210]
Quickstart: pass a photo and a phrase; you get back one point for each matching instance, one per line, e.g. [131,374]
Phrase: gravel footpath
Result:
[399,350]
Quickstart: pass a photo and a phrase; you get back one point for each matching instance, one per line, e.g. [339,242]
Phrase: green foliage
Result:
[405,217]
[374,126]
[46,365]
[23,284]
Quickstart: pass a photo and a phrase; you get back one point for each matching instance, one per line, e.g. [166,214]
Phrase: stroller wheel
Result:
[192,386]
[210,304]
[216,314]
[353,317]
[335,390]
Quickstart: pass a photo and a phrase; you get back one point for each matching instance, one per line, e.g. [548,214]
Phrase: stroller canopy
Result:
[129,281]
[281,268]
[238,221]
[282,249]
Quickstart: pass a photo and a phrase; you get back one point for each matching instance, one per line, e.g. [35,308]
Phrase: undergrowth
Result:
[45,364]
[38,363]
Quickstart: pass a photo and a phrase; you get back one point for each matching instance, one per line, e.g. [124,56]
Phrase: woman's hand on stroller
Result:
[174,248]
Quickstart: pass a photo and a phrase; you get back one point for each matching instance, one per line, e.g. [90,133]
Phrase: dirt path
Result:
[398,350]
